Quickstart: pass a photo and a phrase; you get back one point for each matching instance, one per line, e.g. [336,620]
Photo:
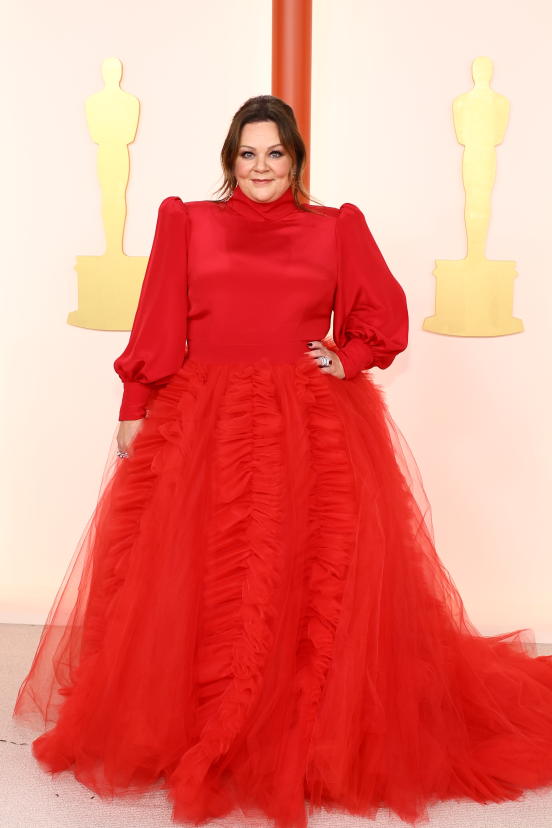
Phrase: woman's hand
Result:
[128,429]
[316,349]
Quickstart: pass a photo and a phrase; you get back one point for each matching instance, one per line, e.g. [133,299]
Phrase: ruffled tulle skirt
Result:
[256,619]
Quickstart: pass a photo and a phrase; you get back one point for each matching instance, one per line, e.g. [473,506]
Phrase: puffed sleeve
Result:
[370,310]
[156,347]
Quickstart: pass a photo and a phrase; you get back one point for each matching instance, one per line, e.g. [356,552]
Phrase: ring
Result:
[325,360]
[122,453]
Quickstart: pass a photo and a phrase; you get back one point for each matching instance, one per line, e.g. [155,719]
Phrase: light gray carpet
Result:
[31,798]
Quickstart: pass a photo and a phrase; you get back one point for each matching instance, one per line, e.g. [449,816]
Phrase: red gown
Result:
[256,617]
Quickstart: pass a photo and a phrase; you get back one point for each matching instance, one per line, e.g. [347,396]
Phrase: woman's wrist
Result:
[135,397]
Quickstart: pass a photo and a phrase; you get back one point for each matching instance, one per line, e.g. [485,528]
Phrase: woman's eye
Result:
[248,152]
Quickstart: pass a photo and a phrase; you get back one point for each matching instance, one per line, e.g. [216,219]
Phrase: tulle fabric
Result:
[256,619]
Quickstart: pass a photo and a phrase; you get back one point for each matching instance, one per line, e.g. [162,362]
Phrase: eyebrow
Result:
[271,147]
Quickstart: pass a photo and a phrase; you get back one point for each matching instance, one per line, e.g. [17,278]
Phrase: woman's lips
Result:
[261,180]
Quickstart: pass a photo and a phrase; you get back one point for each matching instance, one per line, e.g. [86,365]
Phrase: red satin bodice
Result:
[241,279]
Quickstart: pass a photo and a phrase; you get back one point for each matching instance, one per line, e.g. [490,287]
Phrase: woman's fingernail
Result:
[309,344]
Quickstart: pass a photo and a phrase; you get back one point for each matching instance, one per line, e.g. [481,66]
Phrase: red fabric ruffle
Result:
[256,618]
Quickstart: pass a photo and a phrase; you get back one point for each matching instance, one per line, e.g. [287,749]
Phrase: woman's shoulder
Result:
[175,208]
[322,210]
[177,204]
[195,205]
[346,209]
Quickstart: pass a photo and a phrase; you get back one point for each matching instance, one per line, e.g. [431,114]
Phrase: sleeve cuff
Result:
[356,356]
[135,397]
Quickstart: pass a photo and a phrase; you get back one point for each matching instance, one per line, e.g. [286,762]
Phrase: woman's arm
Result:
[370,314]
[157,344]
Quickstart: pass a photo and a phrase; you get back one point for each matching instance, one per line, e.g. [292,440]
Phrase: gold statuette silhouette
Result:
[474,295]
[109,285]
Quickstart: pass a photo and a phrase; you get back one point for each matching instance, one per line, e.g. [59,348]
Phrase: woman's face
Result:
[262,158]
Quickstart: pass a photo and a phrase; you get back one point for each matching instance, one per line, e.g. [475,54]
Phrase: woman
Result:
[257,615]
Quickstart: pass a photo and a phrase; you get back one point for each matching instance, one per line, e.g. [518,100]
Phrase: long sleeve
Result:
[157,344]
[370,309]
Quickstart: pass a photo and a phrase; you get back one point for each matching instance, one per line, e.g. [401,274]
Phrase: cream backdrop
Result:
[476,412]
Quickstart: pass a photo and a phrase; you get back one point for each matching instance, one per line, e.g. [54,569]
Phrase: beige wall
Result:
[475,412]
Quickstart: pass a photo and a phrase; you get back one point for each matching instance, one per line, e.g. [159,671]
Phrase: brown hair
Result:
[266,108]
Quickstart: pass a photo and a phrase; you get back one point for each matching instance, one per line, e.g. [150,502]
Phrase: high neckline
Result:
[280,207]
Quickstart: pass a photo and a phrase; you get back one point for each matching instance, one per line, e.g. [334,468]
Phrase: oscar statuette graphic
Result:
[474,296]
[109,284]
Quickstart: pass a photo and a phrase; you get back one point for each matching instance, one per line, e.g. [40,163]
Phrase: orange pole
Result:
[291,62]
